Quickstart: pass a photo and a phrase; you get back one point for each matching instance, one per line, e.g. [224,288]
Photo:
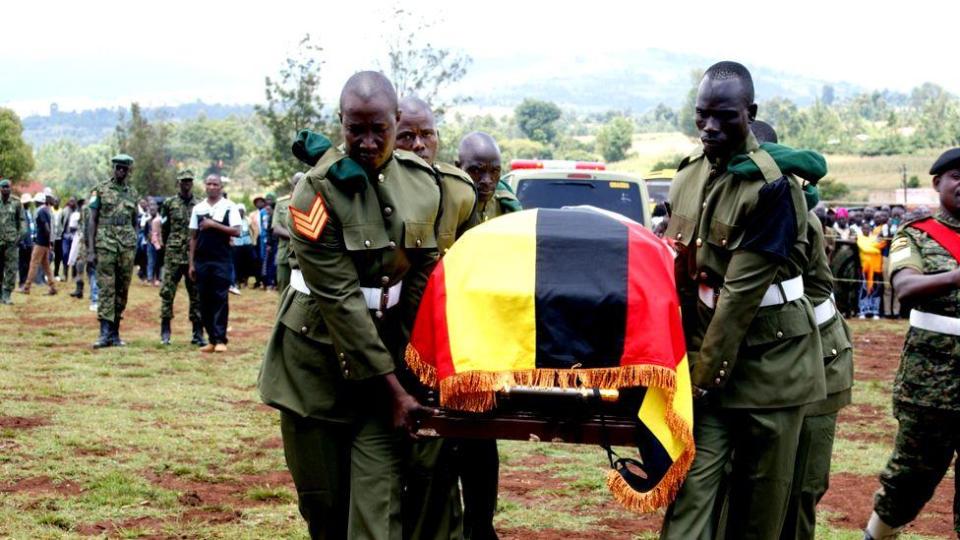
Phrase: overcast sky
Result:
[106,53]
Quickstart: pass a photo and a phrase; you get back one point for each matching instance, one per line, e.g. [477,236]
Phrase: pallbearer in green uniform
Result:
[363,234]
[11,226]
[176,213]
[815,447]
[431,502]
[751,335]
[112,246]
[281,218]
[479,156]
[924,259]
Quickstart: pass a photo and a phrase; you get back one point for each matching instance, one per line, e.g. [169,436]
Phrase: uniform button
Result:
[387,211]
[679,236]
[703,276]
[699,242]
[391,244]
[723,241]
[717,381]
[384,280]
[779,334]
[346,373]
[343,364]
[379,314]
[342,356]
[704,205]
[833,352]
[418,242]
[722,373]
[380,178]
[445,250]
[725,363]
[303,329]
[366,243]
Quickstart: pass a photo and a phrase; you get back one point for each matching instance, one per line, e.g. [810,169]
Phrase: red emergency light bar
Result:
[519,164]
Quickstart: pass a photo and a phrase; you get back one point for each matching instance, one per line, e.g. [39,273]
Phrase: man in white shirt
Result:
[213,222]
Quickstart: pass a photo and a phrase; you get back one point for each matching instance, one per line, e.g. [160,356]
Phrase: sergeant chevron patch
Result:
[310,223]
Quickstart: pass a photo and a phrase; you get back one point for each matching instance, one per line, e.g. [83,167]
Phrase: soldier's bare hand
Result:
[192,273]
[407,413]
[699,393]
[92,259]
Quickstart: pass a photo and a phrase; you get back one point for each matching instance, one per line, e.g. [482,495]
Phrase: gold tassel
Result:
[424,371]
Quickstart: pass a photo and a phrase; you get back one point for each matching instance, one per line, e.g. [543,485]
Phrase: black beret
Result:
[947,160]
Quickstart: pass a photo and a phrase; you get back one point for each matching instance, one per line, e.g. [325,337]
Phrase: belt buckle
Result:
[384,298]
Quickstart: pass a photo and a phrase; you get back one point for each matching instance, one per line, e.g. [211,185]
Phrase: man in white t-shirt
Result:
[213,222]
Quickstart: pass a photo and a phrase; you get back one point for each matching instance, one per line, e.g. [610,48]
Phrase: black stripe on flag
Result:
[581,289]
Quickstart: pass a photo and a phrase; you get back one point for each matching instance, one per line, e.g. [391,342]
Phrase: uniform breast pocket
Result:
[779,324]
[365,236]
[419,235]
[680,229]
[724,235]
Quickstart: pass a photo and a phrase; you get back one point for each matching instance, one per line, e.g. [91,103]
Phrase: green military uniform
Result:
[11,225]
[812,473]
[116,241]
[502,202]
[750,336]
[282,215]
[364,249]
[926,390]
[176,213]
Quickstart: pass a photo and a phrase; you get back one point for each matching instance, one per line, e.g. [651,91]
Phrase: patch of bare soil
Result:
[23,422]
[41,484]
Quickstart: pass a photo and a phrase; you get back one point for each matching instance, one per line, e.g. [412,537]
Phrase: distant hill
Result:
[92,126]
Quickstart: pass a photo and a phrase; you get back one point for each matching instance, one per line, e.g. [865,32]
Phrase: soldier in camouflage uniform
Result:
[11,225]
[176,219]
[926,392]
[112,246]
[280,217]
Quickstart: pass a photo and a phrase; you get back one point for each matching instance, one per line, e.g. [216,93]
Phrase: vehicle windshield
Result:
[659,191]
[617,196]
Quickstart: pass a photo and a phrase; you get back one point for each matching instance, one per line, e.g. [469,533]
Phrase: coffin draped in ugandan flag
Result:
[570,298]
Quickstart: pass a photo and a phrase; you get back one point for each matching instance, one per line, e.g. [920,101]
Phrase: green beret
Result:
[122,159]
[947,161]
[309,146]
[4,182]
[185,175]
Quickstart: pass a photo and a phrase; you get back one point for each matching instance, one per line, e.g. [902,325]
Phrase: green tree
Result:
[687,117]
[832,190]
[615,138]
[71,169]
[16,157]
[293,103]
[537,119]
[153,171]
[416,66]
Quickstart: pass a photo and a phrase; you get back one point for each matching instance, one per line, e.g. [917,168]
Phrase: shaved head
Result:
[479,156]
[368,86]
[417,129]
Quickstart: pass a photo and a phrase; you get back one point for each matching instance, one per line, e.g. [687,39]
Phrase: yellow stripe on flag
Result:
[653,411]
[490,293]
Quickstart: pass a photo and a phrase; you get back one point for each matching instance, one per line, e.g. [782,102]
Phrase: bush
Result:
[832,190]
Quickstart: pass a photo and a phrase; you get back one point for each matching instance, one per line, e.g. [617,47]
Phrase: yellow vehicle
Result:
[555,184]
[658,184]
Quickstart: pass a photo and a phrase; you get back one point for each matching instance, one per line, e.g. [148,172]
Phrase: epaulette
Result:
[413,159]
[690,159]
[451,170]
[914,221]
[284,197]
[342,171]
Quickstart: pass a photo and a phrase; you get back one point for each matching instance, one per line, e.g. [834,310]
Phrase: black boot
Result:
[198,334]
[165,331]
[115,335]
[78,293]
[106,332]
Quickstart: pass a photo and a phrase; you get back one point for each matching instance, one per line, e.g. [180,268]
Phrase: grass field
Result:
[861,174]
[153,442]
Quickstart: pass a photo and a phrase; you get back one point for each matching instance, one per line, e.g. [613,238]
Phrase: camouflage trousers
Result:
[168,291]
[114,270]
[9,261]
[926,443]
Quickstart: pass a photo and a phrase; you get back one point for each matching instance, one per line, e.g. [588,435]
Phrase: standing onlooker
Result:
[84,266]
[871,247]
[176,212]
[244,258]
[40,259]
[72,254]
[27,236]
[143,220]
[11,224]
[67,230]
[154,245]
[259,239]
[56,243]
[212,223]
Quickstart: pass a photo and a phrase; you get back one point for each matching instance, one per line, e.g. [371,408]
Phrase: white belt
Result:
[371,295]
[824,311]
[935,323]
[792,290]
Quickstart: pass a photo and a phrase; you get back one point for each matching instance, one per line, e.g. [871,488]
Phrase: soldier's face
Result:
[417,133]
[120,172]
[369,128]
[186,186]
[723,116]
[5,191]
[948,185]
[483,166]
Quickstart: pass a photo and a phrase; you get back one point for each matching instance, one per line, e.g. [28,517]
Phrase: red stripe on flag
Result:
[654,333]
[430,337]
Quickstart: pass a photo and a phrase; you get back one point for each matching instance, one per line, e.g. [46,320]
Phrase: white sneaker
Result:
[93,307]
[235,290]
[57,279]
[862,316]
[876,317]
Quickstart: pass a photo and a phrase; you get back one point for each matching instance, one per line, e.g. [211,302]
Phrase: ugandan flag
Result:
[568,298]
